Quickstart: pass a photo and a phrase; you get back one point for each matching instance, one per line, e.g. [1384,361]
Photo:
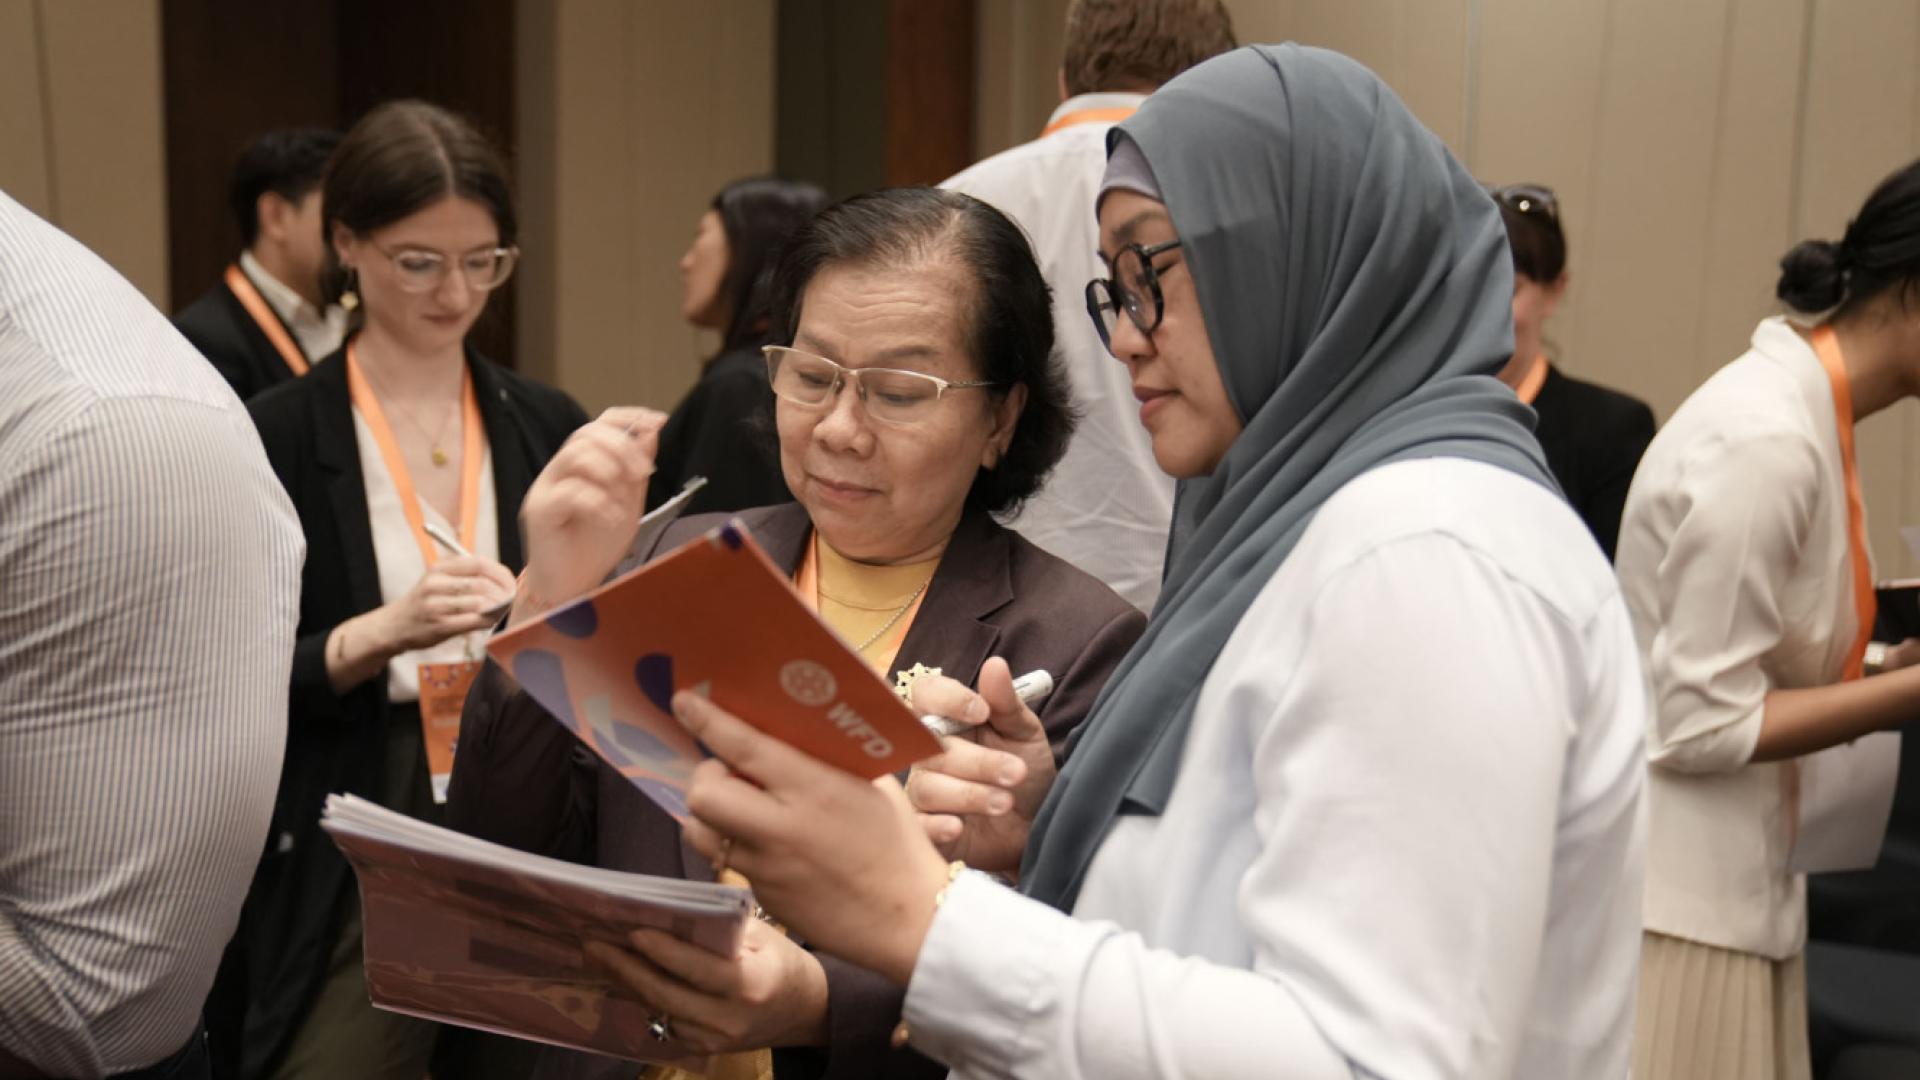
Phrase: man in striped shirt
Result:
[149,581]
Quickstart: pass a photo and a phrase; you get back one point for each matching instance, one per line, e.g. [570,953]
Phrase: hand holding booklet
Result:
[716,617]
[469,932]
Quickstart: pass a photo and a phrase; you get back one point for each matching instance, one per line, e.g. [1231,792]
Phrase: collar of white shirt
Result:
[319,333]
[1082,102]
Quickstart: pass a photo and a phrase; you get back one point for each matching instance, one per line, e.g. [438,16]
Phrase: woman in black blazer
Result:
[899,475]
[1593,436]
[724,278]
[396,430]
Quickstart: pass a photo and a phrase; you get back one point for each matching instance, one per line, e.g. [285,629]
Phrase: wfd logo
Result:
[812,685]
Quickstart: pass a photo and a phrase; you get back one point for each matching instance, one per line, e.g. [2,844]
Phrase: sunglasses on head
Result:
[1528,199]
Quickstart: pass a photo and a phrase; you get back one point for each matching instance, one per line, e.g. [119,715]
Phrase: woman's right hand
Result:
[456,596]
[585,506]
[978,798]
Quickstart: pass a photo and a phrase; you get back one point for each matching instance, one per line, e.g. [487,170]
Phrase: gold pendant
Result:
[439,457]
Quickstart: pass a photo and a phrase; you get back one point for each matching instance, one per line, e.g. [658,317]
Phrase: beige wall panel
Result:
[1431,53]
[101,62]
[1858,126]
[656,105]
[1537,91]
[534,167]
[1263,21]
[1651,178]
[1749,219]
[997,44]
[1017,70]
[591,205]
[1419,47]
[24,170]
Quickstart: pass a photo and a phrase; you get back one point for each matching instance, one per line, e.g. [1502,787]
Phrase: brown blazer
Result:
[521,779]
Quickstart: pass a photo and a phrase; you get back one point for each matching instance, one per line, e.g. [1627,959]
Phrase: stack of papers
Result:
[472,933]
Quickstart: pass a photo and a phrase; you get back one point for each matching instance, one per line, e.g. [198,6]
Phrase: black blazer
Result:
[722,430]
[523,780]
[336,743]
[232,342]
[1593,437]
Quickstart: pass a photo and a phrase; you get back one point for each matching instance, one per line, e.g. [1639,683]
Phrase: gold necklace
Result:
[438,456]
[896,617]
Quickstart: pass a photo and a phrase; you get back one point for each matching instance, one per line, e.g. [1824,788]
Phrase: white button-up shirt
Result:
[1405,839]
[318,332]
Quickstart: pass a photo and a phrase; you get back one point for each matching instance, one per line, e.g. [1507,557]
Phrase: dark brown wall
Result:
[874,92]
[236,68]
[930,47]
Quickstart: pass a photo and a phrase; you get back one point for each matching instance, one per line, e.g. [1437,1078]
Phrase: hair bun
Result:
[1812,277]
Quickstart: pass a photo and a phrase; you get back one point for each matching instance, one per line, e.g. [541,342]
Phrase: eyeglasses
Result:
[418,270]
[1529,199]
[897,397]
[1134,284]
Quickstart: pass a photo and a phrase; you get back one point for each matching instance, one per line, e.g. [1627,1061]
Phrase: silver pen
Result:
[1029,688]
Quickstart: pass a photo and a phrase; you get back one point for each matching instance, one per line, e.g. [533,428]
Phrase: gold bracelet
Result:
[954,869]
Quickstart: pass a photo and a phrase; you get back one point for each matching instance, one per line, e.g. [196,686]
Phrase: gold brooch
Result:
[903,680]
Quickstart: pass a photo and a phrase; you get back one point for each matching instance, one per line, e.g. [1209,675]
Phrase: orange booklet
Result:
[716,617]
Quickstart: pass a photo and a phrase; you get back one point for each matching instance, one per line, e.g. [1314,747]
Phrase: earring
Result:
[349,294]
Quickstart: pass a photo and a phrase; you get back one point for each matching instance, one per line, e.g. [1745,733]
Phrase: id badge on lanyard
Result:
[443,694]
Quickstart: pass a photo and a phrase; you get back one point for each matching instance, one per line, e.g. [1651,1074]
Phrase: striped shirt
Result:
[149,581]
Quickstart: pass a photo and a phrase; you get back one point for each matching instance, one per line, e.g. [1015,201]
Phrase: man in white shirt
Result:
[1107,505]
[149,585]
[266,320]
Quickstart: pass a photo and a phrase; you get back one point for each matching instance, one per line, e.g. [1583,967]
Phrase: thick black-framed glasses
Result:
[1529,199]
[1133,288]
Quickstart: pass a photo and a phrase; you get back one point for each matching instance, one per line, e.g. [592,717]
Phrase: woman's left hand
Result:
[771,993]
[843,862]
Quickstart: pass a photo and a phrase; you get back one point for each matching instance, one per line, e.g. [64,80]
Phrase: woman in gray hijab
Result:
[1365,799]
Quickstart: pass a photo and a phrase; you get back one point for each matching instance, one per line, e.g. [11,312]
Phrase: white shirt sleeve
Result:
[1408,784]
[1744,509]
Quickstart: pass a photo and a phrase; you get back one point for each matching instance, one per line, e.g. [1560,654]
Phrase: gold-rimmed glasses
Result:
[888,394]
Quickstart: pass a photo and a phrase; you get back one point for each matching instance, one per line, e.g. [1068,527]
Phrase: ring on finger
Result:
[660,1027]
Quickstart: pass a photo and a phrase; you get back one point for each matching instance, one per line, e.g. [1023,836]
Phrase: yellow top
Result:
[871,606]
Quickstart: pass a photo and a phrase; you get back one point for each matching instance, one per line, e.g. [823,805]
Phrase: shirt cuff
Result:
[990,975]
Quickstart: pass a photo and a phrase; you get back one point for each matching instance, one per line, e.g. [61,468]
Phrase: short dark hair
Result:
[403,157]
[758,214]
[1010,318]
[288,163]
[1879,251]
[1140,44]
[1538,244]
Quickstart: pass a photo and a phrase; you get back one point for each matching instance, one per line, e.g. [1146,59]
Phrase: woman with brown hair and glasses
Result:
[918,397]
[406,454]
[1593,436]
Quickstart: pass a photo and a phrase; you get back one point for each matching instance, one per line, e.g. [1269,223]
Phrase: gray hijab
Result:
[1357,290]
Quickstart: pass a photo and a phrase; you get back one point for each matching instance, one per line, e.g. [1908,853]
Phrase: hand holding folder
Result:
[718,619]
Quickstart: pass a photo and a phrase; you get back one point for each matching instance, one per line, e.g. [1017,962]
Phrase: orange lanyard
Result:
[1529,387]
[471,450]
[1090,116]
[1827,347]
[806,582]
[256,305]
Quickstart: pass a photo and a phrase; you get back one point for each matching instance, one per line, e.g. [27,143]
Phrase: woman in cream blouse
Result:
[1743,558]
